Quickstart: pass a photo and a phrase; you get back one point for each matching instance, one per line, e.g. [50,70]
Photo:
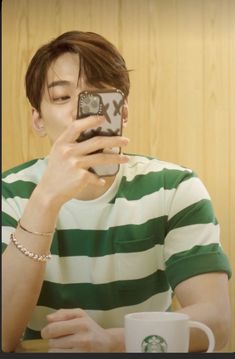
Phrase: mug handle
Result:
[207,330]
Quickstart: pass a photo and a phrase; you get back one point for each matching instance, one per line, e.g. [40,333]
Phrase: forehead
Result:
[65,67]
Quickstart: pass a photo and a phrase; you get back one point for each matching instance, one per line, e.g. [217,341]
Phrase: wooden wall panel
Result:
[229,241]
[189,89]
[216,108]
[162,66]
[182,100]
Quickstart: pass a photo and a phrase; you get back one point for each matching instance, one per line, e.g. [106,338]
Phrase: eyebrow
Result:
[59,83]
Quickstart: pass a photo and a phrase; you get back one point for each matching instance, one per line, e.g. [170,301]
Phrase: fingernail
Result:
[102,181]
[124,158]
[126,140]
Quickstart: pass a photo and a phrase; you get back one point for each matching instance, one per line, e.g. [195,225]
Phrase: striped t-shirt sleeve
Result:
[192,244]
[9,221]
[16,189]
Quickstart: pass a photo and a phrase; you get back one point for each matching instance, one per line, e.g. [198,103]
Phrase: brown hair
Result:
[100,63]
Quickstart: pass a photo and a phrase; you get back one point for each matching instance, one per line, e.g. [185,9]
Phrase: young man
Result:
[119,244]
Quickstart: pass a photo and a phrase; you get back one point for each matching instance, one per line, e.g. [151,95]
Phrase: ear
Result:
[38,123]
[125,113]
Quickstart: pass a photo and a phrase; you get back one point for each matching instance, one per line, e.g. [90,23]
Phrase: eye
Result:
[61,99]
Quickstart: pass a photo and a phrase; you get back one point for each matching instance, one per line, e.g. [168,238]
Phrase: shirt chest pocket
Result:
[135,260]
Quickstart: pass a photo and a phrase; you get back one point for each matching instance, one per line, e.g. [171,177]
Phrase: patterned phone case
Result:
[110,105]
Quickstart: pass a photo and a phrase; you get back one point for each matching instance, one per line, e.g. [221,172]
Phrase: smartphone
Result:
[110,105]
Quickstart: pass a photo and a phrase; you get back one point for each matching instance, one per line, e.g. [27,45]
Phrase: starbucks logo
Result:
[154,344]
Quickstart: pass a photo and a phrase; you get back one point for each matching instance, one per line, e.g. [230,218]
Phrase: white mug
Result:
[159,332]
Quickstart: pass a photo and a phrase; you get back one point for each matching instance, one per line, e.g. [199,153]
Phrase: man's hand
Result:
[67,172]
[72,330]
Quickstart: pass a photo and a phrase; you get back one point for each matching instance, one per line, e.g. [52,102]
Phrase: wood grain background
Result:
[182,100]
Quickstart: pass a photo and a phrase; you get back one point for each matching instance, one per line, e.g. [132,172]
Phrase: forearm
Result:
[23,276]
[207,313]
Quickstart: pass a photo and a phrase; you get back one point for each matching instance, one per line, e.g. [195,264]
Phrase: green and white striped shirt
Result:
[126,250]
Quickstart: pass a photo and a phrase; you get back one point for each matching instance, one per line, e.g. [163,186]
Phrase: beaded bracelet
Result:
[26,252]
[37,233]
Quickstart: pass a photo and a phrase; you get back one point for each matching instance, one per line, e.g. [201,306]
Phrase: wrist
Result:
[40,213]
[45,200]
[117,340]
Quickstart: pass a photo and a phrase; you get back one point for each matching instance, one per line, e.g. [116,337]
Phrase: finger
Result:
[65,314]
[73,131]
[64,327]
[102,159]
[79,340]
[65,342]
[59,328]
[100,142]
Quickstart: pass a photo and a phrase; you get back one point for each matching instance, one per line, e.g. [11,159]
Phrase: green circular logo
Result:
[154,344]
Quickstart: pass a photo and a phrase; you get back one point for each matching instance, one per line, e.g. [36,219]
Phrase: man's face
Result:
[59,101]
